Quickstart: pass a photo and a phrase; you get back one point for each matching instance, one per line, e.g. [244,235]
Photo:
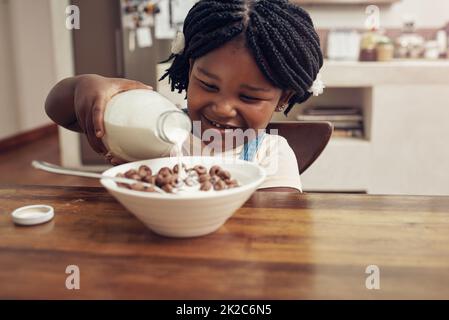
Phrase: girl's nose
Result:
[224,109]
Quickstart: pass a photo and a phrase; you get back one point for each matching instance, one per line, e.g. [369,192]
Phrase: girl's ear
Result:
[283,101]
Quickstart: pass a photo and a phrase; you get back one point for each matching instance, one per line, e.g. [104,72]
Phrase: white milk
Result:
[142,124]
[178,136]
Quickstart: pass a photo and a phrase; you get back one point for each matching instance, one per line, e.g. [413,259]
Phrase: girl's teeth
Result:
[216,124]
[219,125]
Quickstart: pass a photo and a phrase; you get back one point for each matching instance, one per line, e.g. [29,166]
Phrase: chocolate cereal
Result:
[168,179]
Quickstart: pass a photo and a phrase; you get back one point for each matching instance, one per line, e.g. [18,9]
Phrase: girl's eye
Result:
[208,87]
[248,98]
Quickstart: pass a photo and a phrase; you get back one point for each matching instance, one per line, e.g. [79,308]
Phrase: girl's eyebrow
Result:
[243,86]
[251,88]
[208,74]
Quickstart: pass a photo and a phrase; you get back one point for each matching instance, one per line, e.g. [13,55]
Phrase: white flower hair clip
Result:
[318,86]
[179,43]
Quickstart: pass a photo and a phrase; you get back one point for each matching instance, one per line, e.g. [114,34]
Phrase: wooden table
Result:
[278,246]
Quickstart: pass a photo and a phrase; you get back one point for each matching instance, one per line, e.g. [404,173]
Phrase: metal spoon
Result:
[45,166]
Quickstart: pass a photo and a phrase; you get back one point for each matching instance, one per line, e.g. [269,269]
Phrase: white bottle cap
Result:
[32,215]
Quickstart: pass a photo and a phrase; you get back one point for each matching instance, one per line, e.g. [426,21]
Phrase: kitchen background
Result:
[387,85]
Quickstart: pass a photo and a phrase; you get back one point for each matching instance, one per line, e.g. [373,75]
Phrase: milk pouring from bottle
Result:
[142,124]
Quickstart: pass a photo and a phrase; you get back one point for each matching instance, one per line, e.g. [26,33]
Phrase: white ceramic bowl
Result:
[188,215]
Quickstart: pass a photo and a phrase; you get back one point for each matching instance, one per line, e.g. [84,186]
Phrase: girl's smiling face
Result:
[228,91]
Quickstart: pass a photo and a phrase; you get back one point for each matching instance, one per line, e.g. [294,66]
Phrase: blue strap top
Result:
[250,148]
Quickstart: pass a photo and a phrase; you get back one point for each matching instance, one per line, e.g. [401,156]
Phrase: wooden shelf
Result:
[343,2]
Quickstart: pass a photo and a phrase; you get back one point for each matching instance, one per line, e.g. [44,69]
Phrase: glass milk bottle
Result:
[142,124]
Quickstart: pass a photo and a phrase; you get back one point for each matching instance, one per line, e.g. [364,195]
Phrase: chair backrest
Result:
[307,139]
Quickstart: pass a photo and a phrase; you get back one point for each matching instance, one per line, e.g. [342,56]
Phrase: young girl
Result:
[239,62]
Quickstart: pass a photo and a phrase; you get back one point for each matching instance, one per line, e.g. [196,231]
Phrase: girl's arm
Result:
[59,104]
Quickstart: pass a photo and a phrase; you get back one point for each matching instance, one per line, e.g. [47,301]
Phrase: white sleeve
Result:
[279,161]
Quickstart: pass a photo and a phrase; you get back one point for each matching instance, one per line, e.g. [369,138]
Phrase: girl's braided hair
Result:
[279,34]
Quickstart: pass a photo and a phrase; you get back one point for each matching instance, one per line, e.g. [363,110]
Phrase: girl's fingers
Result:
[98,118]
[146,86]
[117,161]
[80,116]
[131,84]
[108,156]
[137,84]
[88,129]
[95,143]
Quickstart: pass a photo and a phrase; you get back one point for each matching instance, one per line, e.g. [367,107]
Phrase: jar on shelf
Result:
[432,50]
[368,46]
[384,49]
[409,44]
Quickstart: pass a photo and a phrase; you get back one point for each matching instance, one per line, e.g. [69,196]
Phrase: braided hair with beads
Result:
[280,35]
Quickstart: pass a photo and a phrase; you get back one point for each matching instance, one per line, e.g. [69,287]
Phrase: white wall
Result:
[62,40]
[428,14]
[30,24]
[35,53]
[8,117]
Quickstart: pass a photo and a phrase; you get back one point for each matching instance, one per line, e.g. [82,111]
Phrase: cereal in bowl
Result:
[180,180]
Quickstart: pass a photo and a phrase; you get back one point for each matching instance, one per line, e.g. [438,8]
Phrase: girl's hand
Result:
[92,93]
[114,160]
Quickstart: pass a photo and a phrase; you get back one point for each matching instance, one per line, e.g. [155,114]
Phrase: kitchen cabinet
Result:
[404,150]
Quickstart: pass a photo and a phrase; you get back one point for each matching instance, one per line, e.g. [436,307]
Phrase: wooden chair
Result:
[307,139]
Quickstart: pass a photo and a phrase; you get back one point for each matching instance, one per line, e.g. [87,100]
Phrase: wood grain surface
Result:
[277,246]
